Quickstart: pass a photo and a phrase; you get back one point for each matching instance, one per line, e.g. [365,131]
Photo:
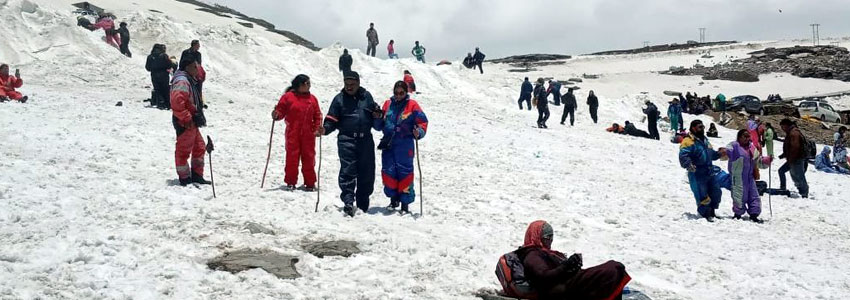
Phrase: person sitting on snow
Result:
[824,164]
[8,84]
[553,275]
[469,62]
[840,147]
[408,79]
[712,131]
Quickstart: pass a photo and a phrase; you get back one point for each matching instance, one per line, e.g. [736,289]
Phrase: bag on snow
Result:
[511,274]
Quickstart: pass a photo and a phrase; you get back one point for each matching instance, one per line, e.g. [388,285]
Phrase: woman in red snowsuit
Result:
[9,83]
[300,110]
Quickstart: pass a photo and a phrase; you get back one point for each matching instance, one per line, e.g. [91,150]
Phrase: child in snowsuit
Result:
[403,122]
[743,159]
[300,110]
[9,83]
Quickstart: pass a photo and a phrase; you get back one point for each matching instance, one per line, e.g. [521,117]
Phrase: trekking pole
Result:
[769,189]
[319,177]
[268,156]
[210,149]
[421,193]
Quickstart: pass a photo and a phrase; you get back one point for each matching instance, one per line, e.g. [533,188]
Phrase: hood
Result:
[535,232]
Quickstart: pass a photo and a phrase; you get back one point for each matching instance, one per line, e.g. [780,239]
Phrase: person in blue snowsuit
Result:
[696,155]
[525,93]
[555,91]
[674,113]
[353,113]
[403,122]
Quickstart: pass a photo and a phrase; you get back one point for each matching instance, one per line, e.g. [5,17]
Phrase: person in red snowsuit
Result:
[408,79]
[300,110]
[108,25]
[9,83]
[187,116]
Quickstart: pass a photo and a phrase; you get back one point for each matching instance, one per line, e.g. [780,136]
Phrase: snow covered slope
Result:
[89,208]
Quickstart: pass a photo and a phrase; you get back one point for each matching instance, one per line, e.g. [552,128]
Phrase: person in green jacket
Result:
[769,134]
[419,52]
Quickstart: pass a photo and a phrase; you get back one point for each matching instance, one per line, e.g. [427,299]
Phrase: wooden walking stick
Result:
[319,177]
[421,192]
[268,156]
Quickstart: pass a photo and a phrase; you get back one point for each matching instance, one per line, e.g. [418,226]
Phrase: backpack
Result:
[511,274]
[810,150]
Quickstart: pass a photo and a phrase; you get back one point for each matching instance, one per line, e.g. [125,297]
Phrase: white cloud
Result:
[449,28]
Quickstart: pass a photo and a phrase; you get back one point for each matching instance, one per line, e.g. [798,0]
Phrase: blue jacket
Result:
[697,152]
[527,88]
[674,110]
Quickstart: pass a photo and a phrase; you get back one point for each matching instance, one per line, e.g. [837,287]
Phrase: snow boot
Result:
[394,202]
[289,188]
[710,219]
[309,189]
[24,99]
[755,218]
[737,217]
[404,209]
[348,210]
[185,181]
[199,179]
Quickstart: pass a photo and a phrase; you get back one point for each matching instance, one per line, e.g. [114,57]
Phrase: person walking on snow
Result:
[743,159]
[372,37]
[106,23]
[570,106]
[125,39]
[793,151]
[555,91]
[411,84]
[674,112]
[391,50]
[187,116]
[696,156]
[160,67]
[525,93]
[9,83]
[478,58]
[403,122]
[419,52]
[652,115]
[593,103]
[542,104]
[353,112]
[345,62]
[300,110]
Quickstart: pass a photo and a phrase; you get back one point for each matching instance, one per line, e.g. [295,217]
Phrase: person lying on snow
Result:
[615,128]
[9,83]
[555,276]
[824,164]
[630,129]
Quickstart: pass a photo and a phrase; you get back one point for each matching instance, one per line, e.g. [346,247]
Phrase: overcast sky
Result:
[451,28]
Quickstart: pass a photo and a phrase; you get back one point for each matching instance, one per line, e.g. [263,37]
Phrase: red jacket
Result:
[10,83]
[411,86]
[184,99]
[301,113]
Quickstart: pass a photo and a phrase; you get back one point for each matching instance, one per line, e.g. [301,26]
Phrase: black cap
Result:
[351,75]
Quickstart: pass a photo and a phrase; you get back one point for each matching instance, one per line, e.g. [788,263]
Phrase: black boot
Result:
[24,99]
[348,210]
[199,179]
[394,202]
[185,181]
[755,218]
[404,209]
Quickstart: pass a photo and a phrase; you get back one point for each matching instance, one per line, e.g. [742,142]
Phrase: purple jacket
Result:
[744,190]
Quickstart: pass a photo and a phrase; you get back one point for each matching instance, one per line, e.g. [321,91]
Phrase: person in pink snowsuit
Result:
[108,25]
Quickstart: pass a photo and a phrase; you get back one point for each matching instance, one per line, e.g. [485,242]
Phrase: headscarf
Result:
[535,233]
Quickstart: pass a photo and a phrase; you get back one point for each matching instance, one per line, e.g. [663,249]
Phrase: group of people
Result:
[116,37]
[696,105]
[162,67]
[837,165]
[745,158]
[538,96]
[372,43]
[8,84]
[354,113]
[472,61]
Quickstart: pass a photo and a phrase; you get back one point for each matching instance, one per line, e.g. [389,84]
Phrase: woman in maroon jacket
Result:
[554,276]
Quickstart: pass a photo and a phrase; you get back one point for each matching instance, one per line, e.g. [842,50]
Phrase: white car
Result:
[818,109]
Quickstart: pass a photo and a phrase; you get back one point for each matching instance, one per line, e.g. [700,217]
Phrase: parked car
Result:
[749,103]
[820,110]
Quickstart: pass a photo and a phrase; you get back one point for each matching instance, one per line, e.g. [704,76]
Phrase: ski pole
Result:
[210,149]
[268,156]
[319,177]
[769,191]
[421,192]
